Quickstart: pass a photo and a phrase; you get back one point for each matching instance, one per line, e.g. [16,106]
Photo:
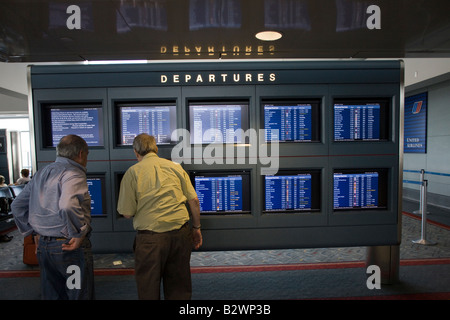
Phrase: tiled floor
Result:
[11,252]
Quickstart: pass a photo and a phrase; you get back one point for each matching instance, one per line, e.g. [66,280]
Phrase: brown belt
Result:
[47,238]
[171,231]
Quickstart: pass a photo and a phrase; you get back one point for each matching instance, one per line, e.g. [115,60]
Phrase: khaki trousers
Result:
[163,256]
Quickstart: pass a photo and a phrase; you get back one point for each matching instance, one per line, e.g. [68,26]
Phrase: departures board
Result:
[282,154]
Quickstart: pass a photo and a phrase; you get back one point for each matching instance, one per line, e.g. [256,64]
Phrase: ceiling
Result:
[45,31]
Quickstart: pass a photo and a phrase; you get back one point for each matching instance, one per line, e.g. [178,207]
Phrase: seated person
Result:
[2,182]
[25,177]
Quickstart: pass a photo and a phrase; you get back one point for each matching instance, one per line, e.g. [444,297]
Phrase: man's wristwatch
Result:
[198,227]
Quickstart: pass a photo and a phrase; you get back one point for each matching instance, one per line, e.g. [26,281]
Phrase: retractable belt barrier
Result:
[423,209]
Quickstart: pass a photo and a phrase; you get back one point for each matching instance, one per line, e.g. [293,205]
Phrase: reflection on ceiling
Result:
[61,30]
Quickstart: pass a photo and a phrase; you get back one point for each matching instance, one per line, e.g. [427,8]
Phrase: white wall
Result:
[13,76]
[417,70]
[437,158]
[13,88]
[12,102]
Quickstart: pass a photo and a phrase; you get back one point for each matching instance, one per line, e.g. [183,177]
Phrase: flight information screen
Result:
[356,190]
[158,121]
[357,122]
[292,122]
[219,194]
[86,122]
[218,123]
[95,187]
[288,192]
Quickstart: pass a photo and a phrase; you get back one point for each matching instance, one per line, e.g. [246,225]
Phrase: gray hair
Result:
[144,143]
[70,146]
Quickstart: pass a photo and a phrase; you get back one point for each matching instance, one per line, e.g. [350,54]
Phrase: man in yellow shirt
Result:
[154,193]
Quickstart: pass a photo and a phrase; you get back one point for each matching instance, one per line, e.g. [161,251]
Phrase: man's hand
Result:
[194,205]
[197,238]
[73,244]
[36,242]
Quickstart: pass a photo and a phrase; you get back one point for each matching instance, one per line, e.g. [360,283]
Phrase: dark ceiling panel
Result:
[34,31]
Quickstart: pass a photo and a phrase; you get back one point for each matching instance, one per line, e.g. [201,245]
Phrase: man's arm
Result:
[126,203]
[74,204]
[75,208]
[20,211]
[194,206]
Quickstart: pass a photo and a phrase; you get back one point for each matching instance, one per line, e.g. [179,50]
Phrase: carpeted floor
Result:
[419,279]
[295,274]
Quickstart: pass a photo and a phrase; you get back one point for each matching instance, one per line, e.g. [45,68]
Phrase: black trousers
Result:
[163,256]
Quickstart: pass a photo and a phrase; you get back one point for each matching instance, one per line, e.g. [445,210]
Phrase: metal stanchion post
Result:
[423,207]
[422,176]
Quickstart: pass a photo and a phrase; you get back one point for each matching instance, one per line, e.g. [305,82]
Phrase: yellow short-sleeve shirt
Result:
[154,192]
